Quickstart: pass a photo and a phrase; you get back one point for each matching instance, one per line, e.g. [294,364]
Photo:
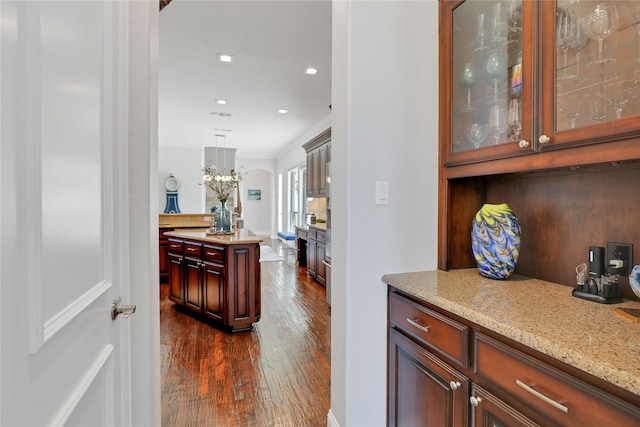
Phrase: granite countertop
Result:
[317,225]
[541,315]
[239,237]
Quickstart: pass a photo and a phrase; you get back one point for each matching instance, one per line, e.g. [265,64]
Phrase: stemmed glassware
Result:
[514,119]
[619,94]
[601,23]
[477,134]
[496,69]
[579,41]
[572,105]
[468,77]
[565,29]
[498,121]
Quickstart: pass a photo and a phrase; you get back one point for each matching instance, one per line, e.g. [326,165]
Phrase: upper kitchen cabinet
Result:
[521,77]
[318,155]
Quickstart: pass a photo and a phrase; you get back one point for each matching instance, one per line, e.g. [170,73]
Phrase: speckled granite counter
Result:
[540,315]
[239,237]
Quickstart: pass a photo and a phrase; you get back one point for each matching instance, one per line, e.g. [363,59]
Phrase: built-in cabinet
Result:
[550,126]
[446,371]
[318,155]
[217,283]
[311,247]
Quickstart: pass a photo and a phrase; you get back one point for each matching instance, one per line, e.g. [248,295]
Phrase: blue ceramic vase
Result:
[495,240]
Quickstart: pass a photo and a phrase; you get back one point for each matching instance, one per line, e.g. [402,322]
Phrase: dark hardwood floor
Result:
[278,374]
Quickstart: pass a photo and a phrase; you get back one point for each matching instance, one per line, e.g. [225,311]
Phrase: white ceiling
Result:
[272,43]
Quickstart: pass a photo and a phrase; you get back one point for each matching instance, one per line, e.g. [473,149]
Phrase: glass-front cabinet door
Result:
[585,89]
[489,84]
[591,76]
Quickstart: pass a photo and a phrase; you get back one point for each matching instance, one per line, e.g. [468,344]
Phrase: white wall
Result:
[384,128]
[186,165]
[257,214]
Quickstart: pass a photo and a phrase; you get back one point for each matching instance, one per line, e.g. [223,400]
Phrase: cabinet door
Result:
[590,72]
[193,284]
[163,257]
[489,411]
[311,173]
[312,260]
[321,270]
[176,278]
[322,170]
[214,290]
[486,87]
[423,390]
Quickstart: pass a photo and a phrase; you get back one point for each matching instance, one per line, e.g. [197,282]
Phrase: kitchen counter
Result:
[539,314]
[317,225]
[239,237]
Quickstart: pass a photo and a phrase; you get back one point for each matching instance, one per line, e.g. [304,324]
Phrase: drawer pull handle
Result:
[415,324]
[191,249]
[541,396]
[475,401]
[454,385]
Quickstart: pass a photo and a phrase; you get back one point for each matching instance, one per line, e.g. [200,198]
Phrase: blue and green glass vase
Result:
[495,240]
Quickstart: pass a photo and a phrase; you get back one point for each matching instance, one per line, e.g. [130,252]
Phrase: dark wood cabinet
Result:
[489,411]
[217,283]
[163,256]
[423,390]
[446,371]
[176,278]
[558,178]
[318,155]
[316,239]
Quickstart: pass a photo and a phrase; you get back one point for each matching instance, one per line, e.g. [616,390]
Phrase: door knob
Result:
[125,310]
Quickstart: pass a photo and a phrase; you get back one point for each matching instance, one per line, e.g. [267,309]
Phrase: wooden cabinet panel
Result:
[533,385]
[193,284]
[176,278]
[447,337]
[214,289]
[312,258]
[489,411]
[318,154]
[321,269]
[423,390]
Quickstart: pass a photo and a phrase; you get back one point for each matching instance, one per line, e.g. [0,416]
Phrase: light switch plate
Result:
[382,192]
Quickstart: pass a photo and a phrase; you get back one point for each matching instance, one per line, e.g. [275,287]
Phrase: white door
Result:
[64,214]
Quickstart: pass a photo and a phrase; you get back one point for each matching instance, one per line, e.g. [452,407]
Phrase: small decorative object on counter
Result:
[223,221]
[634,280]
[495,240]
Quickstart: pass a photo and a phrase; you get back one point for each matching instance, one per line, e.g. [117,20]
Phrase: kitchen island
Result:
[216,278]
[521,349]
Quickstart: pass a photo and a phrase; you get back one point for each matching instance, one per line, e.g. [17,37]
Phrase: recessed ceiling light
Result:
[223,57]
[221,101]
[310,71]
[282,111]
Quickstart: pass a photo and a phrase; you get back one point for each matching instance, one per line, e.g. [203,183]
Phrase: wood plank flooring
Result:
[278,374]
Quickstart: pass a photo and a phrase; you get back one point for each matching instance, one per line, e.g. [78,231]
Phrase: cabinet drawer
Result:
[213,253]
[438,332]
[321,236]
[543,389]
[175,245]
[301,234]
[192,248]
[311,234]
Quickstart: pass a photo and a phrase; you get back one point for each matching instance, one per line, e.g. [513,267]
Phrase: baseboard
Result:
[331,420]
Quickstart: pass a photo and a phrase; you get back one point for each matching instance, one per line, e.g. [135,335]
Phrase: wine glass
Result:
[468,78]
[499,24]
[481,21]
[477,134]
[496,68]
[597,107]
[498,121]
[514,119]
[564,36]
[571,105]
[579,40]
[601,23]
[619,94]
